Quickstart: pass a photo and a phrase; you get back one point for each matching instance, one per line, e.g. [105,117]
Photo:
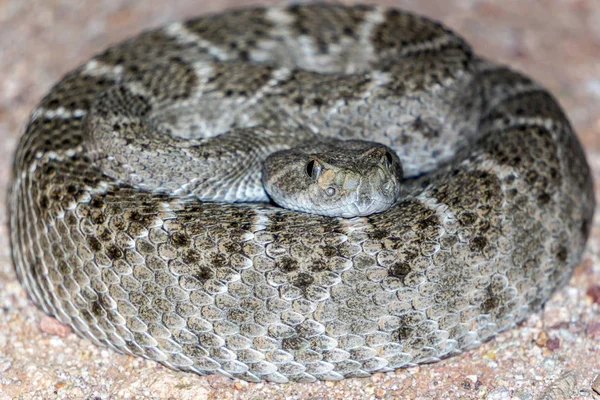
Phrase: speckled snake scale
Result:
[114,238]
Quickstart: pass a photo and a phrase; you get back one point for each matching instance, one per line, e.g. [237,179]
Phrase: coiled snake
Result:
[138,211]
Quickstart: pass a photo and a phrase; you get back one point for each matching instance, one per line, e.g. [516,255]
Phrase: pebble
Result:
[593,293]
[499,393]
[5,364]
[542,339]
[52,326]
[593,329]
[553,343]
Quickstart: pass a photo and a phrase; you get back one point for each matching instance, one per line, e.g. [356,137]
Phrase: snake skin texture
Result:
[114,230]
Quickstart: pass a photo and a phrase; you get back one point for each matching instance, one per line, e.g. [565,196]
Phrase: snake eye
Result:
[330,191]
[313,169]
[388,160]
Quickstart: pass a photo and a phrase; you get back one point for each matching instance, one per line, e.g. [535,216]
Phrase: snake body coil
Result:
[123,226]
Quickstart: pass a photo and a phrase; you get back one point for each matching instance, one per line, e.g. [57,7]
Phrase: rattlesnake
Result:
[124,223]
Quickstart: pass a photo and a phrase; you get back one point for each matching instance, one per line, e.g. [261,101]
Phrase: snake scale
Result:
[126,221]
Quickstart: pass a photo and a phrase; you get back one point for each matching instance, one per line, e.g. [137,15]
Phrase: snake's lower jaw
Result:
[366,210]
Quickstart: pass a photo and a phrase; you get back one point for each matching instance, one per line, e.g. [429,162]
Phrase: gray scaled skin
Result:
[138,214]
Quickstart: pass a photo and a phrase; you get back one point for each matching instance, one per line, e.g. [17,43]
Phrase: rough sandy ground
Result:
[552,355]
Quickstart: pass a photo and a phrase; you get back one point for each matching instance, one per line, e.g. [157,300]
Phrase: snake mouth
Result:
[365,208]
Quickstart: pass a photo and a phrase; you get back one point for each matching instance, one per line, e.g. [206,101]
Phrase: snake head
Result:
[335,178]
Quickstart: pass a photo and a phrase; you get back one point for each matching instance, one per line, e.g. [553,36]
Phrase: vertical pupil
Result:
[310,166]
[389,158]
